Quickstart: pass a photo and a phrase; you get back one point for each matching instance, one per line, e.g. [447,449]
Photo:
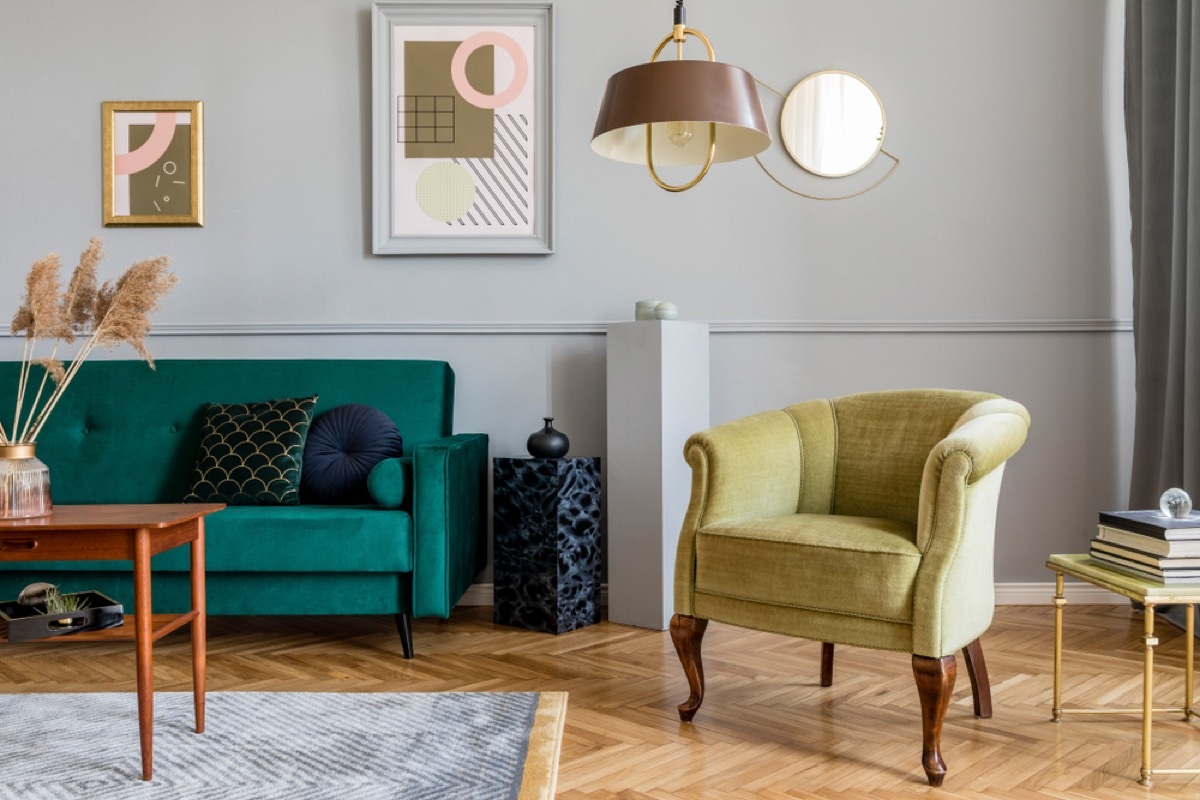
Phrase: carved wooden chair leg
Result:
[827,663]
[935,684]
[687,634]
[981,687]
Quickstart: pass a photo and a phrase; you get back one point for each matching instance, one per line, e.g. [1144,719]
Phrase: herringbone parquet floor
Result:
[767,729]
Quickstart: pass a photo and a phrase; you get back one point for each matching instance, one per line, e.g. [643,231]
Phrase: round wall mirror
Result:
[832,123]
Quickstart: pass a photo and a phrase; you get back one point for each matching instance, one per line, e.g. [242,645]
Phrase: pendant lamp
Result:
[680,113]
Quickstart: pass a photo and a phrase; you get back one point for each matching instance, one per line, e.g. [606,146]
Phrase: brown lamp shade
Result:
[692,91]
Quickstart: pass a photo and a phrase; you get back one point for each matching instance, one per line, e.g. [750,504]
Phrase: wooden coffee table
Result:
[126,532]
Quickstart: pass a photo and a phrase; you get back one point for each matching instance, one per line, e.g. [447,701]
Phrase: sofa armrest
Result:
[449,520]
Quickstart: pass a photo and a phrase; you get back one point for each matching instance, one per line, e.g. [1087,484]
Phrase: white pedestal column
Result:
[658,396]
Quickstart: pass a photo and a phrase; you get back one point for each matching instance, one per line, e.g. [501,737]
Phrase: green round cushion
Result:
[388,482]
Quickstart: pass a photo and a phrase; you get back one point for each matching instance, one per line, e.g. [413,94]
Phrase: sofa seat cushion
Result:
[799,560]
[307,538]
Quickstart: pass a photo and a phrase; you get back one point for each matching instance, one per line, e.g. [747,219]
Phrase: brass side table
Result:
[1149,593]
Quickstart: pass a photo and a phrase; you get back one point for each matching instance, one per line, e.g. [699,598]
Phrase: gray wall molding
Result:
[598,327]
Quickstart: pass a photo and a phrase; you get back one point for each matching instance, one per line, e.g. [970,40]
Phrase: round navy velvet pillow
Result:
[344,444]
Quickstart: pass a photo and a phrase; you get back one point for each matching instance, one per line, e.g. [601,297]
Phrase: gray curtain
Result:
[1162,120]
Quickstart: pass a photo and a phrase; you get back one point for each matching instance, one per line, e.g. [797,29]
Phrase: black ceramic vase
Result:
[548,443]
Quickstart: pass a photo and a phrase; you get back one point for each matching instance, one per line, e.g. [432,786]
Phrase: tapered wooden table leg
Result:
[144,647]
[199,627]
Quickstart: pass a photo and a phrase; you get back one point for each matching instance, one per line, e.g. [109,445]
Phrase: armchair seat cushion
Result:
[860,566]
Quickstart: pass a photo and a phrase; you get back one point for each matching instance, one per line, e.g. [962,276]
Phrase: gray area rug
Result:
[265,745]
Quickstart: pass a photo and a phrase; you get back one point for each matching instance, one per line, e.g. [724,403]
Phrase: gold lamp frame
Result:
[709,92]
[679,35]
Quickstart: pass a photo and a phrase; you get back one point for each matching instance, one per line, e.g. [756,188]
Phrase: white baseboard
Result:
[1036,594]
[1007,594]
[480,594]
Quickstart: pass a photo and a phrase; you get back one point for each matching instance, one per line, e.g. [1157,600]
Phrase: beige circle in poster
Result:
[445,191]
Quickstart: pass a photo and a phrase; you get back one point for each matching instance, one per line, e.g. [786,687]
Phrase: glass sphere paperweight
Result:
[1175,503]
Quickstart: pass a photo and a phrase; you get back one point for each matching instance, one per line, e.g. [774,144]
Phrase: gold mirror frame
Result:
[828,104]
[792,148]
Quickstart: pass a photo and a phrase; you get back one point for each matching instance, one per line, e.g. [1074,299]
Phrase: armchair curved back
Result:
[865,453]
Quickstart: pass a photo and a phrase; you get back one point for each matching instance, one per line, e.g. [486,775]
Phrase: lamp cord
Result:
[783,185]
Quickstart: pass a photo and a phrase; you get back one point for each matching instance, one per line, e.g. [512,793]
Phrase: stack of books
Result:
[1149,544]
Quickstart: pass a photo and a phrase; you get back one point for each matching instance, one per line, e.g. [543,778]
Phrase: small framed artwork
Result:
[462,127]
[153,162]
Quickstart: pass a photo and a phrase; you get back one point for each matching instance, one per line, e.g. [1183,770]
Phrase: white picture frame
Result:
[462,127]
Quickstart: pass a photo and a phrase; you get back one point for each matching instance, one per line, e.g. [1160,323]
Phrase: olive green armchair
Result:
[867,520]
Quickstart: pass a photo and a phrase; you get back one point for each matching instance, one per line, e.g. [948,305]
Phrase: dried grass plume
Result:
[118,312]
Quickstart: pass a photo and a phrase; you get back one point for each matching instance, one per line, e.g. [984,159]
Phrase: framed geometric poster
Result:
[462,127]
[153,162]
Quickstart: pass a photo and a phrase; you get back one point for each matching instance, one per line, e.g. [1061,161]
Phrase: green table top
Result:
[1148,591]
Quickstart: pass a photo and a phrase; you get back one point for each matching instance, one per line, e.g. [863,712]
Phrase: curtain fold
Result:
[1162,120]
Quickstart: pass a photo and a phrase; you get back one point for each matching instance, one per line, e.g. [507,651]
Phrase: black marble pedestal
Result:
[546,537]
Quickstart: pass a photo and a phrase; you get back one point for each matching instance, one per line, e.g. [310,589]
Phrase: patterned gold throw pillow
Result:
[250,453]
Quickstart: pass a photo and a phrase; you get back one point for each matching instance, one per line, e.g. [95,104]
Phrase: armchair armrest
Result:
[989,433]
[987,436]
[449,520]
[749,466]
[956,526]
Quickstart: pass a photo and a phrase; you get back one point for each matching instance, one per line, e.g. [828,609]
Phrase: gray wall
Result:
[996,257]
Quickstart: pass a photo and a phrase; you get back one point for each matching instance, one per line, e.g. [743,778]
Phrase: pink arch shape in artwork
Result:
[458,69]
[152,150]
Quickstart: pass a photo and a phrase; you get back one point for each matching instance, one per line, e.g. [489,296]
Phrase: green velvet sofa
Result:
[124,433]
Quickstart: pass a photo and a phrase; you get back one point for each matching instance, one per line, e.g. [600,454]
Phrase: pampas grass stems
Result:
[117,313]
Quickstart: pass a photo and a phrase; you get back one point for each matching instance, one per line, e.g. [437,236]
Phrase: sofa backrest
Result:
[125,433]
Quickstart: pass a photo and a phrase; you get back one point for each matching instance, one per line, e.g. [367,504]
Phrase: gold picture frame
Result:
[152,154]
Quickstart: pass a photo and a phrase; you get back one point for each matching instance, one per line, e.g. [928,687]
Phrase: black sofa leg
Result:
[404,625]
